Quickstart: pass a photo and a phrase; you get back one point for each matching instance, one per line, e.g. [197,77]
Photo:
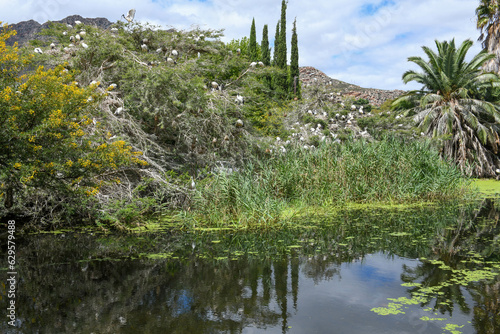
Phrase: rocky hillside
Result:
[310,76]
[29,30]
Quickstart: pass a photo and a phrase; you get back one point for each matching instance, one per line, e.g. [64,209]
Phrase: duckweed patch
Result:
[487,187]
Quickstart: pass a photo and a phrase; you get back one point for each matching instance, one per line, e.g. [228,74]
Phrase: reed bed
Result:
[389,171]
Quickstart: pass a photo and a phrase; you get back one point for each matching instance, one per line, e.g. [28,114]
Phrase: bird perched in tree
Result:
[130,16]
[239,99]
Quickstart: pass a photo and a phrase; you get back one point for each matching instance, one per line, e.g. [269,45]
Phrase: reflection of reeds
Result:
[391,170]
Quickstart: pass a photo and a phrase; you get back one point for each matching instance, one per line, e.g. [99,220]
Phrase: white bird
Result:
[114,29]
[353,107]
[130,16]
[72,38]
[78,37]
[52,46]
[170,60]
[84,45]
[238,51]
[38,50]
[253,64]
[261,64]
[66,49]
[118,111]
[71,45]
[83,33]
[145,40]
[78,22]
[239,99]
[193,184]
[69,26]
[239,123]
[175,53]
[65,33]
[112,86]
[215,85]
[159,50]
[144,47]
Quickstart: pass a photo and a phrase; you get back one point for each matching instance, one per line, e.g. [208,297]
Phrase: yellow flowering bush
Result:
[50,138]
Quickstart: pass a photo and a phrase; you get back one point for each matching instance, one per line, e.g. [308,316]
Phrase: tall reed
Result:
[392,170]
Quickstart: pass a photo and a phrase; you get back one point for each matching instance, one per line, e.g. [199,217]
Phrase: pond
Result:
[430,269]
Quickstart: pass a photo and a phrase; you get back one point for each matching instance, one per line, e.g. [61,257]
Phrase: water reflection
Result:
[323,278]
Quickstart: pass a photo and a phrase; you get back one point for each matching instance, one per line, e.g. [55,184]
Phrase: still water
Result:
[421,270]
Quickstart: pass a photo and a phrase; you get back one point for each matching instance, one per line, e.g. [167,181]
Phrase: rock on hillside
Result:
[28,30]
[311,76]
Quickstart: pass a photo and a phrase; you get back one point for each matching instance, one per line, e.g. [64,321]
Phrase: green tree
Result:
[50,140]
[282,50]
[265,50]
[294,63]
[488,22]
[445,106]
[276,44]
[252,47]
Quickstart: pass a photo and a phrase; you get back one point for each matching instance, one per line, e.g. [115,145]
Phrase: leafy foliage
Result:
[445,107]
[51,140]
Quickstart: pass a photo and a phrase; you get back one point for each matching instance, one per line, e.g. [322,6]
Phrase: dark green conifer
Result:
[281,60]
[276,44]
[294,63]
[266,52]
[252,46]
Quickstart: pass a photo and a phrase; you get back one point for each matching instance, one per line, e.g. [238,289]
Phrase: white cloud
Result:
[340,38]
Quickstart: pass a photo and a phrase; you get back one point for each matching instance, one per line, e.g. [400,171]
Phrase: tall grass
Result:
[392,170]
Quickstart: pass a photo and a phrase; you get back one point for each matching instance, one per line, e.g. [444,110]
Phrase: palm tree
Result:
[447,106]
[488,22]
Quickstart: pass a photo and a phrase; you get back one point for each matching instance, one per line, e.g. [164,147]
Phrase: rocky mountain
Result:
[29,30]
[310,76]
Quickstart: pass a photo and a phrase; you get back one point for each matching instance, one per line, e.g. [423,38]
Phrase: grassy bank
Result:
[390,171]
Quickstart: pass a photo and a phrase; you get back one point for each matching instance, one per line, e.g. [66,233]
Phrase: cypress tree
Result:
[266,52]
[252,46]
[294,61]
[281,61]
[276,44]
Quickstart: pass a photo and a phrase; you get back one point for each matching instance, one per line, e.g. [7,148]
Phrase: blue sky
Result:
[364,42]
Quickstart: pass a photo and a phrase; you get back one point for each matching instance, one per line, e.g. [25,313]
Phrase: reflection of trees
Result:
[194,294]
[431,275]
[470,245]
[487,307]
[58,294]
